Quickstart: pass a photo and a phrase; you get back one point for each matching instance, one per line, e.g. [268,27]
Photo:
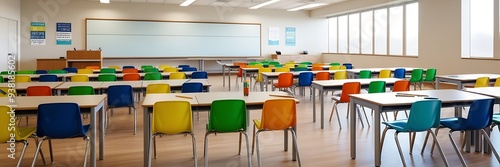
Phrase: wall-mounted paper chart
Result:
[274,36]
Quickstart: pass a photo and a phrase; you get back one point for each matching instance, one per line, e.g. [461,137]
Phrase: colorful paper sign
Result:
[274,36]
[290,36]
[63,33]
[37,33]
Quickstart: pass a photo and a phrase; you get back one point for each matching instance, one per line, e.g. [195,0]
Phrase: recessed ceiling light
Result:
[306,6]
[187,2]
[263,4]
[104,1]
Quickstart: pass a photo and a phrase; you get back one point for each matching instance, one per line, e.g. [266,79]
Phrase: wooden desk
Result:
[230,67]
[384,102]
[65,86]
[333,85]
[29,105]
[462,79]
[51,64]
[254,100]
[354,73]
[266,76]
[176,84]
[25,85]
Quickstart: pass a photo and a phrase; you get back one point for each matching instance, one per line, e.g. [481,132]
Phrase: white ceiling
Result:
[283,4]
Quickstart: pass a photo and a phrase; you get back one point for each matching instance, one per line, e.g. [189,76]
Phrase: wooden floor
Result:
[318,147]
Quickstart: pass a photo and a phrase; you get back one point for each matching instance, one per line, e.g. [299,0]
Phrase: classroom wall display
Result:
[146,38]
[37,33]
[290,36]
[63,33]
[274,36]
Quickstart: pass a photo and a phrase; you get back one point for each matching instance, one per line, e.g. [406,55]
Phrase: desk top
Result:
[298,72]
[134,84]
[446,96]
[24,85]
[175,82]
[151,99]
[357,70]
[467,77]
[488,91]
[362,81]
[66,85]
[32,102]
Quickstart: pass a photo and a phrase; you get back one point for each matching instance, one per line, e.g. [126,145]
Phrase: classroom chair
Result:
[365,74]
[106,77]
[41,72]
[153,76]
[305,80]
[340,75]
[335,64]
[131,77]
[282,69]
[285,82]
[80,78]
[115,67]
[26,72]
[334,68]
[297,69]
[121,96]
[125,67]
[400,86]
[192,87]
[38,91]
[164,66]
[199,75]
[158,88]
[1,79]
[416,78]
[85,71]
[183,65]
[70,70]
[430,77]
[385,73]
[48,78]
[177,75]
[129,70]
[347,89]
[400,73]
[22,78]
[259,76]
[58,71]
[150,69]
[322,76]
[185,69]
[92,67]
[146,66]
[107,71]
[497,82]
[81,90]
[5,91]
[171,69]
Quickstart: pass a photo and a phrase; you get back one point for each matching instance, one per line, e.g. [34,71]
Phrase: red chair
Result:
[130,70]
[317,68]
[400,86]
[285,81]
[132,77]
[39,91]
[322,76]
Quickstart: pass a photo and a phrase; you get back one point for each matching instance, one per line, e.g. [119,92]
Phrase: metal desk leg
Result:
[322,101]
[314,103]
[437,83]
[93,135]
[223,75]
[229,78]
[376,123]
[352,128]
[147,134]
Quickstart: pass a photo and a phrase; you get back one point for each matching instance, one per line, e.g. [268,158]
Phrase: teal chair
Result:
[430,76]
[153,76]
[424,115]
[416,78]
[365,74]
[108,71]
[300,69]
[106,77]
[228,116]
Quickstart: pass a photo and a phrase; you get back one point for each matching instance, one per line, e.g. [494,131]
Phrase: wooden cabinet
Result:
[83,58]
[51,64]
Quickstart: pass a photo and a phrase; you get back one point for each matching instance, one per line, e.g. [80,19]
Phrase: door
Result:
[8,43]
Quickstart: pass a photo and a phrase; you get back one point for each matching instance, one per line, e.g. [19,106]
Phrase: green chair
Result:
[152,69]
[4,72]
[376,87]
[228,116]
[416,78]
[335,64]
[106,77]
[365,74]
[1,79]
[26,72]
[278,65]
[254,63]
[306,63]
[57,72]
[274,63]
[146,66]
[302,65]
[108,71]
[81,90]
[153,76]
[300,69]
[430,77]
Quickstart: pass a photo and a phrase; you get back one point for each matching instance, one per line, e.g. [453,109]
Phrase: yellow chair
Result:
[20,134]
[23,78]
[385,73]
[170,69]
[259,76]
[164,66]
[289,65]
[497,82]
[171,118]
[115,67]
[343,67]
[79,78]
[4,92]
[177,75]
[277,114]
[158,88]
[482,82]
[340,75]
[282,69]
[85,71]
[334,68]
[255,66]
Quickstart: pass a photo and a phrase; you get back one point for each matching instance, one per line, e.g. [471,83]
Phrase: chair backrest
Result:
[430,75]
[59,120]
[41,72]
[290,65]
[23,78]
[106,77]
[120,96]
[227,116]
[115,67]
[172,117]
[158,88]
[177,75]
[5,91]
[322,76]
[131,77]
[416,75]
[26,72]
[58,71]
[343,67]
[79,78]
[153,76]
[305,79]
[130,70]
[334,64]
[171,69]
[285,79]
[81,90]
[38,91]
[164,66]
[424,115]
[306,63]
[376,87]
[497,82]
[5,125]
[385,73]
[182,65]
[279,114]
[260,71]
[192,87]
[401,85]
[150,69]
[480,114]
[349,88]
[317,68]
[340,75]
[85,71]
[107,71]
[240,69]
[1,79]
[146,66]
[363,74]
[70,69]
[125,67]
[92,67]
[189,69]
[274,63]
[48,78]
[199,75]
[334,68]
[482,82]
[282,69]
[400,73]
[300,69]
[347,66]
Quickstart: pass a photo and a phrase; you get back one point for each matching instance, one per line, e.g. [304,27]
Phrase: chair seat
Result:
[336,98]
[24,133]
[277,86]
[496,119]
[455,124]
[399,125]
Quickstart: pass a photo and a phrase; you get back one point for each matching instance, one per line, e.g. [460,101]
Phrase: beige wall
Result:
[311,32]
[439,44]
[10,9]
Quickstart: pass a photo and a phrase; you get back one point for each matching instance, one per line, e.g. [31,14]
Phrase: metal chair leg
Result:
[50,152]
[22,153]
[399,148]
[439,147]
[383,138]
[206,148]
[151,142]
[86,150]
[194,149]
[425,143]
[239,145]
[258,150]
[294,135]
[249,156]
[456,149]
[487,137]
[38,148]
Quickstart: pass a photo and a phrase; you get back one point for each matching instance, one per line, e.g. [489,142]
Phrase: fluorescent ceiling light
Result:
[187,2]
[104,1]
[306,6]
[263,4]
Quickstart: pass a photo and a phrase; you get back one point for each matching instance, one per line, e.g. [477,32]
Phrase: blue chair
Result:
[424,115]
[60,121]
[400,73]
[347,65]
[184,69]
[192,87]
[479,117]
[199,75]
[305,80]
[121,96]
[70,69]
[41,72]
[124,67]
[48,78]
[183,65]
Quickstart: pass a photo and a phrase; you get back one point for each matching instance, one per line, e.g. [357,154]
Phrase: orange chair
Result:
[240,73]
[318,65]
[340,75]
[285,81]
[277,114]
[320,68]
[322,76]
[38,91]
[130,70]
[93,67]
[132,77]
[347,89]
[400,86]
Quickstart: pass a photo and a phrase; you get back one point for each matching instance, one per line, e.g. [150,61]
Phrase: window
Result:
[380,31]
[396,30]
[354,33]
[367,32]
[332,23]
[477,28]
[412,29]
[342,40]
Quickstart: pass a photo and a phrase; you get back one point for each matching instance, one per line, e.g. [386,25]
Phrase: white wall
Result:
[311,32]
[10,9]
[10,14]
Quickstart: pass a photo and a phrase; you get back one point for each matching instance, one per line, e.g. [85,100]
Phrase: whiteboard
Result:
[136,39]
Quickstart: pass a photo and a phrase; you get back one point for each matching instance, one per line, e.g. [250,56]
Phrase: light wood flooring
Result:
[318,147]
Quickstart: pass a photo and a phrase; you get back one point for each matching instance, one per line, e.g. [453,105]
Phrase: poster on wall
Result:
[274,36]
[63,33]
[289,36]
[37,33]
